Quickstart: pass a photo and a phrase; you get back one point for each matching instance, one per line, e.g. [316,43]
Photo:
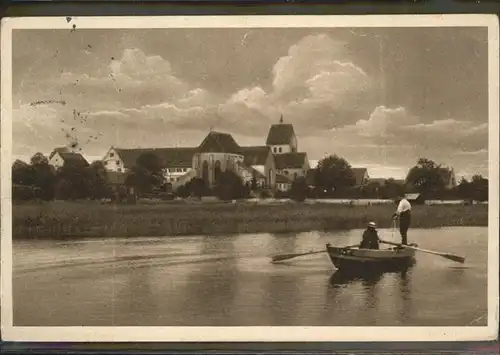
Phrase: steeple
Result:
[281,118]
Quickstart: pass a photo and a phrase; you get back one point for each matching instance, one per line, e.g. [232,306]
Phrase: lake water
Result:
[229,281]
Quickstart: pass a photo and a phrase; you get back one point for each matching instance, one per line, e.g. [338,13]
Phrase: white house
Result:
[64,156]
[177,161]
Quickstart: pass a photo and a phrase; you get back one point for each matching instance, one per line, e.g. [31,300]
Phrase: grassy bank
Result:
[91,219]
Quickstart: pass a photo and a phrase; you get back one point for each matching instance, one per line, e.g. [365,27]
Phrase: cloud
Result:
[134,63]
[316,86]
[307,58]
[382,123]
[137,99]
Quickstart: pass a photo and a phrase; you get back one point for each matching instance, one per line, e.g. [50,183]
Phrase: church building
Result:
[219,152]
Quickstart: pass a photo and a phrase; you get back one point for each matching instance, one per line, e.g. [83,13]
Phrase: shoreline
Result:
[87,219]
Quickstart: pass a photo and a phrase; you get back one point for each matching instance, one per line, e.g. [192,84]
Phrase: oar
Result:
[448,256]
[291,256]
[295,255]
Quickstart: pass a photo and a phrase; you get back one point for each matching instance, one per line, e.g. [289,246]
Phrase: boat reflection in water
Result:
[365,287]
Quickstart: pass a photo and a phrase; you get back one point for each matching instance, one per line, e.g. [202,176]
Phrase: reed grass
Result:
[91,219]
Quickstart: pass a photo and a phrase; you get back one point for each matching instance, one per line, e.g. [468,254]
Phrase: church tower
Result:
[281,138]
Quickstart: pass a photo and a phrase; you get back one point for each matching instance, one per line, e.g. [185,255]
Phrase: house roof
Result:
[380,181]
[412,196]
[290,160]
[282,179]
[255,155]
[359,174]
[74,159]
[170,157]
[218,142]
[280,134]
[59,150]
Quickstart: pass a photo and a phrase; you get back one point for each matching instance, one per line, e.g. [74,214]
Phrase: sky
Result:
[379,97]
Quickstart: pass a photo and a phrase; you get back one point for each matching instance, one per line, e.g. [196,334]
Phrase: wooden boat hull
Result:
[363,260]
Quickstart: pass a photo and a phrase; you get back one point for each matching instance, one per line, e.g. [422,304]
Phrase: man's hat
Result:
[372,224]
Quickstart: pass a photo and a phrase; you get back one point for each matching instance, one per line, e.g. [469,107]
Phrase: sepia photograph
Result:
[250,178]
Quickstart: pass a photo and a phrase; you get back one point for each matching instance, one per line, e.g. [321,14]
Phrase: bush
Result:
[282,194]
[24,193]
[230,187]
[265,194]
[299,189]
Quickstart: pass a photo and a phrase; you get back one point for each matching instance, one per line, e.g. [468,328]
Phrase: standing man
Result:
[404,214]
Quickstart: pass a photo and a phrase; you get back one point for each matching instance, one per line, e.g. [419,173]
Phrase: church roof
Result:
[280,134]
[290,160]
[217,142]
[256,155]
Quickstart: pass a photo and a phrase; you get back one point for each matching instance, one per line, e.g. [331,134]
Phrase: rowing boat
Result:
[356,259]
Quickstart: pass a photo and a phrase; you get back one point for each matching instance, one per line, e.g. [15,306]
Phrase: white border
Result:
[247,334]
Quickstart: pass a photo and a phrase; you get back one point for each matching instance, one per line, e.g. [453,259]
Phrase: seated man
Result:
[370,237]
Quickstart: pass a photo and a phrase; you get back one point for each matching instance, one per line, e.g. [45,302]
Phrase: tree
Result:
[44,176]
[463,189]
[38,159]
[334,173]
[299,189]
[391,189]
[97,181]
[479,188]
[253,186]
[230,186]
[148,172]
[371,190]
[426,177]
[22,173]
[73,182]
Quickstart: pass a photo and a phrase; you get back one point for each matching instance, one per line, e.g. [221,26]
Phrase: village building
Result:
[177,162]
[292,165]
[263,164]
[283,183]
[448,177]
[361,176]
[415,198]
[63,156]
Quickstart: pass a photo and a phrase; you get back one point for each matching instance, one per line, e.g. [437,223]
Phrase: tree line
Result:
[40,180]
[333,177]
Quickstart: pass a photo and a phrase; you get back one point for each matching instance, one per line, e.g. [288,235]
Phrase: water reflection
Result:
[135,296]
[230,281]
[370,290]
[405,291]
[284,242]
[342,278]
[210,289]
